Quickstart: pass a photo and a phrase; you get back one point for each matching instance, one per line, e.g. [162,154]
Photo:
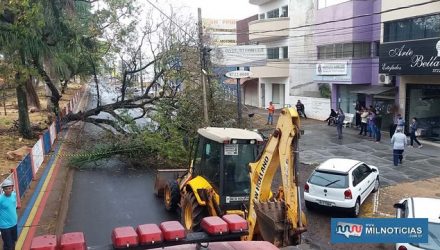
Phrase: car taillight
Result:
[347,194]
[306,188]
[402,248]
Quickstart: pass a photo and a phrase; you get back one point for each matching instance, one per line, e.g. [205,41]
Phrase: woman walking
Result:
[412,132]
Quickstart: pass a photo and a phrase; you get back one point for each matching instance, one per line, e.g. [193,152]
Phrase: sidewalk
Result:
[419,174]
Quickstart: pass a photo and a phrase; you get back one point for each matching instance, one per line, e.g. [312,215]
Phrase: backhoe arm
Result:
[279,221]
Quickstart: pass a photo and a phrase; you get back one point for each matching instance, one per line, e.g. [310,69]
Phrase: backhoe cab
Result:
[217,182]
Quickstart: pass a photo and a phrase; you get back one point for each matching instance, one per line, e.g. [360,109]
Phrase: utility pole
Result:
[239,100]
[202,65]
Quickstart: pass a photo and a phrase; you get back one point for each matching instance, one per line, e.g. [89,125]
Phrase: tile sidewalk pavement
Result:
[320,143]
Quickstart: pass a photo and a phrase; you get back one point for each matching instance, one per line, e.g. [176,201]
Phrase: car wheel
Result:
[356,209]
[376,185]
[309,205]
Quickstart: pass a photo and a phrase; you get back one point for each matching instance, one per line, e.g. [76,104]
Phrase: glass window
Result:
[338,50]
[198,157]
[276,98]
[361,50]
[432,26]
[327,179]
[417,28]
[273,53]
[347,50]
[285,52]
[329,51]
[237,180]
[321,52]
[211,167]
[262,16]
[273,13]
[284,11]
[403,30]
[412,28]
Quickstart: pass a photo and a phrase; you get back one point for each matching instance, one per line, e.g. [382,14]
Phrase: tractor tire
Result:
[192,213]
[171,195]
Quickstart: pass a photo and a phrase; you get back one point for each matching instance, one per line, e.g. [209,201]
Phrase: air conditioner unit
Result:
[386,79]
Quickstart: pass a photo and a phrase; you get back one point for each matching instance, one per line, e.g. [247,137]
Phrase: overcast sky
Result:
[228,9]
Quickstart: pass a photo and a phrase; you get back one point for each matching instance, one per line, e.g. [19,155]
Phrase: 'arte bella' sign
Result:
[420,57]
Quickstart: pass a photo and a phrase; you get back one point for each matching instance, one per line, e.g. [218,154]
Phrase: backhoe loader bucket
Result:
[272,225]
[163,176]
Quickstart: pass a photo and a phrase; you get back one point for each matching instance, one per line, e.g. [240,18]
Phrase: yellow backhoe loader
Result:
[231,172]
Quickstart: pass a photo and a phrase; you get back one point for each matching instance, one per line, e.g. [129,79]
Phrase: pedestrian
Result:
[340,122]
[399,142]
[8,215]
[400,122]
[371,125]
[300,108]
[364,120]
[358,109]
[271,110]
[378,125]
[412,132]
[332,117]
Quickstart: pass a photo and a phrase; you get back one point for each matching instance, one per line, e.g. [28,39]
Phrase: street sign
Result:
[239,56]
[239,74]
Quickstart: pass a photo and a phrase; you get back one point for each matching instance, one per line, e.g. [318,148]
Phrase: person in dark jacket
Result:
[340,122]
[412,132]
[300,108]
[332,117]
[378,126]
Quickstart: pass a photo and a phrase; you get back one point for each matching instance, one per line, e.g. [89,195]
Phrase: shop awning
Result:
[373,90]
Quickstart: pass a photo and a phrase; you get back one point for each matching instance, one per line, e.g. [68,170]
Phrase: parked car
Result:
[341,183]
[418,207]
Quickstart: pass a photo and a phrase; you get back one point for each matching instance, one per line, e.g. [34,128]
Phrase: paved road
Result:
[112,197]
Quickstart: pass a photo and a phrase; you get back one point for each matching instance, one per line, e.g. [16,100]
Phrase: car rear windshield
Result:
[329,179]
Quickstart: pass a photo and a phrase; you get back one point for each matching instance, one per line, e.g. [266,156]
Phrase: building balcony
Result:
[273,68]
[269,29]
[259,2]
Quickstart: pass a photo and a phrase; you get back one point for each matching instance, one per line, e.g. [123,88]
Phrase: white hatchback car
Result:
[341,183]
[417,207]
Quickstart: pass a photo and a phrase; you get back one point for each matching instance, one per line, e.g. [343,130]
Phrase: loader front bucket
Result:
[272,224]
[165,175]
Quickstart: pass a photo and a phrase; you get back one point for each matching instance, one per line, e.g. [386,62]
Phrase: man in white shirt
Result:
[399,142]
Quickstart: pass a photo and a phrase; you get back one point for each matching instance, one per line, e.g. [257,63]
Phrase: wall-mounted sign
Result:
[239,74]
[239,56]
[420,57]
[331,68]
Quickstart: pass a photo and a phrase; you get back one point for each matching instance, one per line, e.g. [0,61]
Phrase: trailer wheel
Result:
[192,212]
[171,195]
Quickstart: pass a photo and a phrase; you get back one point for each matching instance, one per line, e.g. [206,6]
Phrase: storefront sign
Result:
[410,58]
[331,69]
[240,56]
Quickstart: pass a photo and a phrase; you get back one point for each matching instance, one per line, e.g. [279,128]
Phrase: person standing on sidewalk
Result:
[339,122]
[8,215]
[364,120]
[378,125]
[399,142]
[412,132]
[271,110]
[300,108]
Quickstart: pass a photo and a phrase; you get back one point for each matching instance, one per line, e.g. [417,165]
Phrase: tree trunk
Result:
[24,123]
[64,86]
[32,96]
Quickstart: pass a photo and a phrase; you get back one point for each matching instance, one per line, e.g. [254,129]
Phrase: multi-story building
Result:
[222,32]
[272,30]
[410,54]
[347,35]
